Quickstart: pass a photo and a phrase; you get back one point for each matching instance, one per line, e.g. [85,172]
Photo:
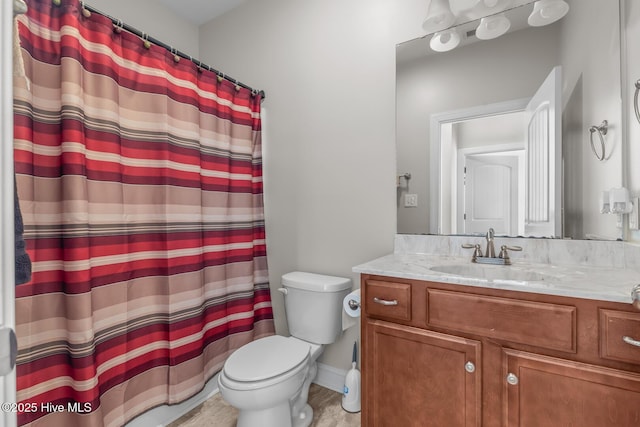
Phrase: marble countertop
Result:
[579,281]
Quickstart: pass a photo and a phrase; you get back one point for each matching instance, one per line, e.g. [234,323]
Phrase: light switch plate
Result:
[410,200]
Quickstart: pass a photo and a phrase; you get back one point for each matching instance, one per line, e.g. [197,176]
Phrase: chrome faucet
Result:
[490,252]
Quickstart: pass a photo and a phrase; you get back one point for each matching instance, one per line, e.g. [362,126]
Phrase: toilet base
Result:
[304,418]
[279,416]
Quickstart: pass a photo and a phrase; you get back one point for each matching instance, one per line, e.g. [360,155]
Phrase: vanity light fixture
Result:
[547,11]
[444,41]
[439,16]
[440,21]
[492,27]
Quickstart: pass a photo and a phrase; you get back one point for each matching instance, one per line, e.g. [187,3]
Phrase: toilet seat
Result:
[265,361]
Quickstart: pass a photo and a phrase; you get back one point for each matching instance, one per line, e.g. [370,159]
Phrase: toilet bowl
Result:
[268,379]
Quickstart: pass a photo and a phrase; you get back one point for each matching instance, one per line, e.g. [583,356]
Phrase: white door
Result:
[543,147]
[490,194]
[7,262]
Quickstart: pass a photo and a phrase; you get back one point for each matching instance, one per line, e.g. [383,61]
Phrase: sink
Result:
[490,272]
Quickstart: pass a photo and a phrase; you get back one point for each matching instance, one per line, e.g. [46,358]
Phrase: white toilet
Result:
[268,379]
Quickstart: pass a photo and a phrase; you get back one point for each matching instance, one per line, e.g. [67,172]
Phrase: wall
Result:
[465,77]
[155,19]
[328,69]
[592,86]
[630,76]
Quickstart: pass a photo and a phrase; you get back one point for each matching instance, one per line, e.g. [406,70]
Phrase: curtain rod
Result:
[118,23]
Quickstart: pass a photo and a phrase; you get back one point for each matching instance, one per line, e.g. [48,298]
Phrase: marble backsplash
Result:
[593,253]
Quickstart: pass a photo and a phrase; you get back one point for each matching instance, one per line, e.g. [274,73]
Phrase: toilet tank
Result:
[313,303]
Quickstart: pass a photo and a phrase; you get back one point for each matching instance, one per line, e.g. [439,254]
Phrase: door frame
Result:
[7,248]
[435,123]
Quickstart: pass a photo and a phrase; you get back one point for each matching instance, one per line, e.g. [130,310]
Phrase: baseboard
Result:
[165,414]
[327,377]
[330,377]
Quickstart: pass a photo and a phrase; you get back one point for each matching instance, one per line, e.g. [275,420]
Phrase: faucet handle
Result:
[476,250]
[504,248]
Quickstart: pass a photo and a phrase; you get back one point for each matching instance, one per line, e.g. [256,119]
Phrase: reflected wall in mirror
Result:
[432,88]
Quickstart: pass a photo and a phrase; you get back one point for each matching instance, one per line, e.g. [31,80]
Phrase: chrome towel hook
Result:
[406,176]
[602,131]
[635,101]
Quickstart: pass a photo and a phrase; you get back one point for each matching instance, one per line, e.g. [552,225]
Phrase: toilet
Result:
[268,379]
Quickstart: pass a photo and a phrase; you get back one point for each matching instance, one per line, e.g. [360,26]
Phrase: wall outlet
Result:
[633,216]
[410,200]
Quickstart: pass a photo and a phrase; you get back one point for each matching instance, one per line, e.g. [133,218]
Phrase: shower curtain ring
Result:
[85,12]
[176,57]
[602,131]
[118,26]
[145,39]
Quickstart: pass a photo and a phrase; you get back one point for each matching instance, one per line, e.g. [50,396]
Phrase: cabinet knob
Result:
[512,379]
[635,296]
[470,367]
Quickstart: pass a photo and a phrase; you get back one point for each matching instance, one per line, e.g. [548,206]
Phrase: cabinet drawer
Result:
[539,324]
[388,299]
[614,327]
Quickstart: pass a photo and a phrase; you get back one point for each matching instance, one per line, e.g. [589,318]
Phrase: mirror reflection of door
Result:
[485,174]
[490,187]
[543,145]
[517,197]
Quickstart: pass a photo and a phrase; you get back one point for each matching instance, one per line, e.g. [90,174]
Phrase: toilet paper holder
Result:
[353,304]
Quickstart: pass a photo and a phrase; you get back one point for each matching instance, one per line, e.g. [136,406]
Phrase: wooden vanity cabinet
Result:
[420,377]
[436,354]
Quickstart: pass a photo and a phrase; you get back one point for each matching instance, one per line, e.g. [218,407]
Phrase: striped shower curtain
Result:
[140,183]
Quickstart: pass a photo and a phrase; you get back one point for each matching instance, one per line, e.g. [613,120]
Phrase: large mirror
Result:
[466,160]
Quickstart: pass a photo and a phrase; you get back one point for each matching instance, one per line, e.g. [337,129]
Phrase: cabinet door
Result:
[420,378]
[545,391]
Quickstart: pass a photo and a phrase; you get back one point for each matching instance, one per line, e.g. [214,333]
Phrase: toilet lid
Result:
[266,358]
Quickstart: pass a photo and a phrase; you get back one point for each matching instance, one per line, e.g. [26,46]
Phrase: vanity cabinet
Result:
[421,377]
[436,354]
[545,391]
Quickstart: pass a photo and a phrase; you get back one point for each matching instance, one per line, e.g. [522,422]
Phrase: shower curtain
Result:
[140,183]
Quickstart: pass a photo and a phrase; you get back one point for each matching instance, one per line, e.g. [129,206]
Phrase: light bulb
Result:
[546,12]
[444,41]
[493,26]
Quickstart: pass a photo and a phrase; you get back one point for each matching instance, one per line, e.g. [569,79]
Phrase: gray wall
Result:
[155,19]
[328,69]
[630,77]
